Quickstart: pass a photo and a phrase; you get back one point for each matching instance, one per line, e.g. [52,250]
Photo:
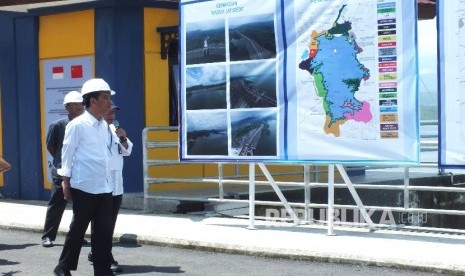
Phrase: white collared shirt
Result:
[116,160]
[84,155]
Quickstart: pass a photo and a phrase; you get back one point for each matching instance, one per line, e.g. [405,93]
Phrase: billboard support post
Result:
[290,211]
[330,216]
[355,196]
[251,196]
[279,193]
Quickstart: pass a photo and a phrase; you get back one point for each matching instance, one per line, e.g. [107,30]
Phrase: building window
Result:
[174,85]
[169,49]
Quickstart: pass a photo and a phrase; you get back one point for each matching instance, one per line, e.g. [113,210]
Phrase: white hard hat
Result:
[72,97]
[95,85]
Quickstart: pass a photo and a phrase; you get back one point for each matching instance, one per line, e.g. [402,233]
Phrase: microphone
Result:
[116,124]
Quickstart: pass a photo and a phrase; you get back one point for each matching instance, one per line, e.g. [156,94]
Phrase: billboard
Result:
[451,50]
[299,81]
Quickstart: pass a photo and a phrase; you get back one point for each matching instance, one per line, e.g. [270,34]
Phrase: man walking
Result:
[120,146]
[86,180]
[56,133]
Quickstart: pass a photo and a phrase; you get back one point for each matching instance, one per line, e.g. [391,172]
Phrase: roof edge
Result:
[46,8]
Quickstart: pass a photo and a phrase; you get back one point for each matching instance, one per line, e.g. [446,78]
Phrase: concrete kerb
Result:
[297,255]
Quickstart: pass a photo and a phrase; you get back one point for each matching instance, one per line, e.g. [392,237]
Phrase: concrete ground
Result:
[424,251]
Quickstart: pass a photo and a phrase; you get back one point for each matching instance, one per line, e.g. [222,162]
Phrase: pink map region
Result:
[363,115]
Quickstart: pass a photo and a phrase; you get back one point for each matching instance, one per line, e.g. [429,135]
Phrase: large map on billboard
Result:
[451,33]
[299,81]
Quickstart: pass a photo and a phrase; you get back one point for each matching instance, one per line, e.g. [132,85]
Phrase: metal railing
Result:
[428,143]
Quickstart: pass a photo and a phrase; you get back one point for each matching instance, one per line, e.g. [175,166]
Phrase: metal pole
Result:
[355,196]
[251,196]
[220,181]
[316,174]
[145,158]
[331,200]
[406,186]
[279,193]
[307,192]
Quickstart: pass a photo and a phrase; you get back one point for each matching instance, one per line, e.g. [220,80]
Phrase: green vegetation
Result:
[321,90]
[261,32]
[245,130]
[354,84]
[340,28]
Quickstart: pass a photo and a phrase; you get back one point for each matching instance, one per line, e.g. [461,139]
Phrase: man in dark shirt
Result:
[56,132]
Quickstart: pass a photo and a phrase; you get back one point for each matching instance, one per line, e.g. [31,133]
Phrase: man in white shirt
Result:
[86,180]
[120,146]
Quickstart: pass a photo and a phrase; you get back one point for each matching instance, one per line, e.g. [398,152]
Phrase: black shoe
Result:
[47,242]
[90,258]
[59,271]
[115,267]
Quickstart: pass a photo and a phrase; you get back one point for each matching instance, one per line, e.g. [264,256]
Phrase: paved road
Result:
[22,254]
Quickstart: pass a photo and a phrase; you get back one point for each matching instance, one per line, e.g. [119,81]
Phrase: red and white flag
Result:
[57,72]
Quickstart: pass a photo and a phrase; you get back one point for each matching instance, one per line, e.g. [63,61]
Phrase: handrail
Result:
[237,179]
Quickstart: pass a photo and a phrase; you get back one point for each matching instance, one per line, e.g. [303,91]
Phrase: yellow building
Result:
[124,42]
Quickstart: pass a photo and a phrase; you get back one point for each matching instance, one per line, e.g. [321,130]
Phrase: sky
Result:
[427,61]
[206,75]
[205,25]
[427,37]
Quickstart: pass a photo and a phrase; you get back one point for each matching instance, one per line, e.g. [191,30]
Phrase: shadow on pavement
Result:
[6,262]
[16,246]
[134,269]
